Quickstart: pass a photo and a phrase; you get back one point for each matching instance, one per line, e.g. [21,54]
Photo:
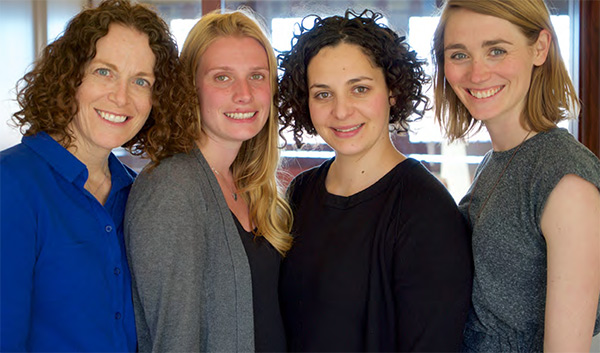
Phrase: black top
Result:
[265,262]
[386,269]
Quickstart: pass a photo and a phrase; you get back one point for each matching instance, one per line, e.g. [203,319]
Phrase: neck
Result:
[351,174]
[95,160]
[507,136]
[220,157]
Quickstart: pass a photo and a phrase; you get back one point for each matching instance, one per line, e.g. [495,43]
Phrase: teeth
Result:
[350,129]
[485,94]
[240,116]
[111,117]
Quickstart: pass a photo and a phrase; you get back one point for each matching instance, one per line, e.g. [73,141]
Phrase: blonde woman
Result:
[206,228]
[534,204]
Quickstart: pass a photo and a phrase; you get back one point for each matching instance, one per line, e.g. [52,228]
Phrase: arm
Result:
[432,279]
[18,256]
[165,251]
[572,230]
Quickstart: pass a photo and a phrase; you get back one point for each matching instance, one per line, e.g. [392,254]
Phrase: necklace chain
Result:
[233,193]
[495,184]
[100,185]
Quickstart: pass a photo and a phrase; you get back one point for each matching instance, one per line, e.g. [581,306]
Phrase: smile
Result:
[350,129]
[481,94]
[240,116]
[111,117]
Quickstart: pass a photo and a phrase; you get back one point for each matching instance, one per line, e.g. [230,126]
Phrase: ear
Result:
[541,47]
[391,99]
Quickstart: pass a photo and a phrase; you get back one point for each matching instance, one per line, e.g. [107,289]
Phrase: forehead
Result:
[127,47]
[234,51]
[464,25]
[342,54]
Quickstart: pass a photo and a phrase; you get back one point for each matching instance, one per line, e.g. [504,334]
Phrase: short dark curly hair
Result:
[404,73]
[47,94]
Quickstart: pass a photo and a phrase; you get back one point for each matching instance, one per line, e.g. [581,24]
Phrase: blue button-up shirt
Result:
[65,282]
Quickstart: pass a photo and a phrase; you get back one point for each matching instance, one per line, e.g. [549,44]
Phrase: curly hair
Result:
[255,167]
[551,96]
[47,94]
[404,73]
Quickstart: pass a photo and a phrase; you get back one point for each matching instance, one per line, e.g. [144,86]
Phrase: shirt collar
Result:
[71,168]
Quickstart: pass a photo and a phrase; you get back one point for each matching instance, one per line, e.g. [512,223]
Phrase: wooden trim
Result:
[589,74]
[210,5]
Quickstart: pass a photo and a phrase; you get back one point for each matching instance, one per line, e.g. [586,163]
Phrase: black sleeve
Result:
[432,272]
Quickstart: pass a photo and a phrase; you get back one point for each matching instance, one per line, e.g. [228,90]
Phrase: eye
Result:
[322,95]
[103,72]
[142,82]
[497,51]
[257,77]
[458,56]
[222,78]
[361,89]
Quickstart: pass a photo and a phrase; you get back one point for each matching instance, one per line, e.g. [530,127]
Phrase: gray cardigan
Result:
[192,289]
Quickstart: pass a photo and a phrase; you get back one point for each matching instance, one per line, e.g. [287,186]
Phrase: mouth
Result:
[240,116]
[349,129]
[485,93]
[113,118]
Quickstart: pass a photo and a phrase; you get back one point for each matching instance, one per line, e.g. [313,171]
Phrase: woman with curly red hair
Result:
[381,258]
[112,79]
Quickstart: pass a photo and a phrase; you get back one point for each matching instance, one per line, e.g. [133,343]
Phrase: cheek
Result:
[452,73]
[263,94]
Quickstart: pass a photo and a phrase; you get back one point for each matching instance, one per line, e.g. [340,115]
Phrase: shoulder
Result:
[557,153]
[307,179]
[173,172]
[177,180]
[20,164]
[422,188]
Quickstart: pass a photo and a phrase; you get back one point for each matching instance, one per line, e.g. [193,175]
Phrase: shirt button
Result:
[108,229]
[117,271]
[117,315]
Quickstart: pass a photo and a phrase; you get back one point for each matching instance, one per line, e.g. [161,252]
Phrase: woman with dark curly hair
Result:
[112,79]
[381,259]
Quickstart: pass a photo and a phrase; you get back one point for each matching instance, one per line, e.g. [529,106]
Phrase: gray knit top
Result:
[192,289]
[509,249]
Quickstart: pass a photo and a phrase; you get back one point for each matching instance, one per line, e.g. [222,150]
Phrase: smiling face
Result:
[348,100]
[233,86]
[115,95]
[488,62]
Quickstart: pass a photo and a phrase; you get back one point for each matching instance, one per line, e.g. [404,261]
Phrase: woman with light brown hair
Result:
[534,203]
[206,228]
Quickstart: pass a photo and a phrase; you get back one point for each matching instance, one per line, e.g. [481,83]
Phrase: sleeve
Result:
[432,274]
[17,253]
[164,232]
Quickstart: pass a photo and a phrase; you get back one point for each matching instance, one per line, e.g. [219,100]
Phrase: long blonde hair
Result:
[255,167]
[551,97]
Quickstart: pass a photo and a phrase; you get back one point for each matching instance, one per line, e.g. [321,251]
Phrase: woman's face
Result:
[348,100]
[488,63]
[115,95]
[234,91]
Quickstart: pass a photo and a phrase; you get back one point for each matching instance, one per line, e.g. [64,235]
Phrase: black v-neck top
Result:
[264,262]
[386,269]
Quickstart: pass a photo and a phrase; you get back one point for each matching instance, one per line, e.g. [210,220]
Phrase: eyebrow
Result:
[487,43]
[113,67]
[350,82]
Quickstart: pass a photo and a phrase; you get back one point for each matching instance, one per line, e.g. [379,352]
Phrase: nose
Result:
[242,92]
[120,94]
[342,108]
[479,71]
